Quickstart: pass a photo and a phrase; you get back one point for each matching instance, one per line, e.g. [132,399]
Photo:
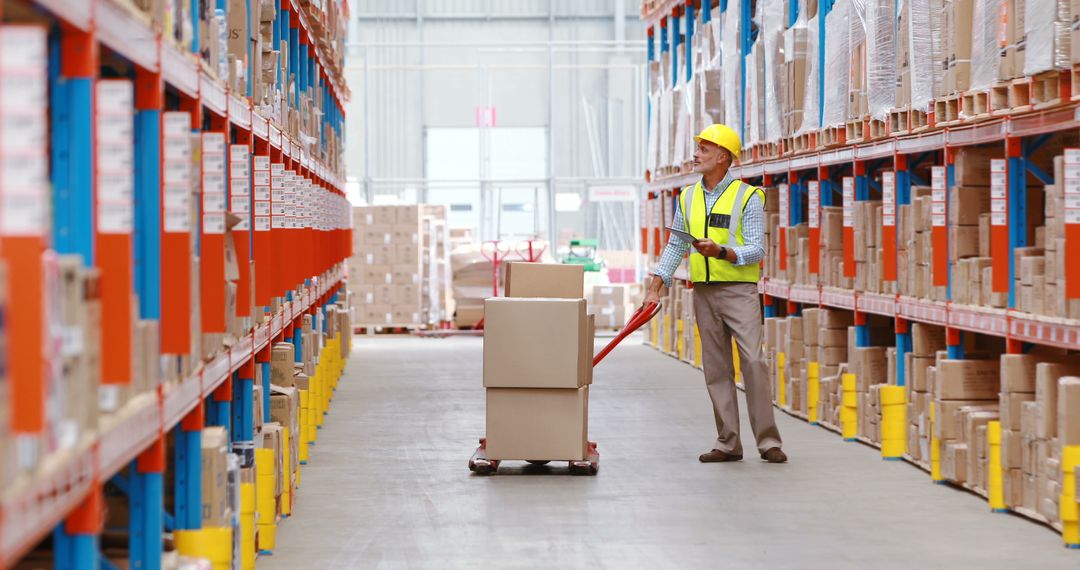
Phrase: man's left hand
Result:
[707,247]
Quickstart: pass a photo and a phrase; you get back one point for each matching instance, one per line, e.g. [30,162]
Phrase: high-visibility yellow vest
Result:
[724,226]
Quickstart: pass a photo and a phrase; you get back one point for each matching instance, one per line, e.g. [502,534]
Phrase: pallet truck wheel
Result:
[472,465]
[485,468]
[538,461]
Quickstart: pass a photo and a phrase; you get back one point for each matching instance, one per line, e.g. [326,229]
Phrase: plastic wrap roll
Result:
[985,43]
[811,110]
[773,21]
[729,45]
[880,57]
[1047,32]
[837,64]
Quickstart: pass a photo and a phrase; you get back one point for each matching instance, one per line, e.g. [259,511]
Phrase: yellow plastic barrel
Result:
[813,391]
[1068,511]
[247,526]
[849,413]
[781,390]
[212,543]
[265,501]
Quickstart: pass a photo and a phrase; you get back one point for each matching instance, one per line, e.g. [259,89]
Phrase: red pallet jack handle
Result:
[644,314]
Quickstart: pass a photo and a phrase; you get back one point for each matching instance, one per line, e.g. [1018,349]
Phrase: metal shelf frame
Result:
[64,494]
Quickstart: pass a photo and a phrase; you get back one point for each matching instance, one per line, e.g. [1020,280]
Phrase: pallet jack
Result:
[480,464]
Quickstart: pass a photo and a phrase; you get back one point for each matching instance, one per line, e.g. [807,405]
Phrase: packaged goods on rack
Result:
[437,303]
[880,57]
[729,52]
[957,21]
[613,303]
[985,45]
[857,104]
[921,31]
[1047,35]
[811,119]
[837,63]
[772,18]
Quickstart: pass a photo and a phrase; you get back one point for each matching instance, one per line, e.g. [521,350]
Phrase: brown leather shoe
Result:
[774,455]
[717,456]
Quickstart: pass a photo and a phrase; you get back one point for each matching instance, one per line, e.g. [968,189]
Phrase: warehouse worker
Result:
[726,218]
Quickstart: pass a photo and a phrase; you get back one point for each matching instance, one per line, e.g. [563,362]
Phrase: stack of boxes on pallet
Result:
[613,303]
[538,392]
[392,253]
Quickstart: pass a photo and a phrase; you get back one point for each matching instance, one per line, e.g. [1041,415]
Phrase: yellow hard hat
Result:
[723,136]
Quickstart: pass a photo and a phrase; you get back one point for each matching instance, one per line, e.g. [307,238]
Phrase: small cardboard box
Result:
[282,357]
[551,280]
[869,366]
[1018,373]
[920,366]
[215,477]
[537,424]
[1068,412]
[926,340]
[536,343]
[968,380]
[967,203]
[947,425]
[1046,394]
[1011,409]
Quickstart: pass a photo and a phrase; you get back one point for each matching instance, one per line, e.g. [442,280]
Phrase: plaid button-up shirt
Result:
[753,228]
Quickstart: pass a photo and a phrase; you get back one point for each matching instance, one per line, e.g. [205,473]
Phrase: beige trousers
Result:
[724,311]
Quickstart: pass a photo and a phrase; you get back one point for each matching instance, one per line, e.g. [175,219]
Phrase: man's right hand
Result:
[652,294]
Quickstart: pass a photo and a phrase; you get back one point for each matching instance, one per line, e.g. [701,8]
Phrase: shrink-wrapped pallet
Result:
[880,57]
[1047,31]
[837,63]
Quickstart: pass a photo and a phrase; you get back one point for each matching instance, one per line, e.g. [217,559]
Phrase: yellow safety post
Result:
[655,333]
[813,391]
[212,543]
[735,361]
[996,494]
[287,475]
[680,345]
[781,390]
[302,445]
[667,334]
[935,450]
[697,346]
[849,410]
[265,502]
[893,422]
[247,526]
[1068,510]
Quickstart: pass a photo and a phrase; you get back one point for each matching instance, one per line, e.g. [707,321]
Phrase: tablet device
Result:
[682,235]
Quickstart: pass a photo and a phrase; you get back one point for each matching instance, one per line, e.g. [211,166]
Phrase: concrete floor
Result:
[388,485]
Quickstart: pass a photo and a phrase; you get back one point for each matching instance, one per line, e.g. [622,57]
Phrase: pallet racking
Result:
[831,168]
[113,85]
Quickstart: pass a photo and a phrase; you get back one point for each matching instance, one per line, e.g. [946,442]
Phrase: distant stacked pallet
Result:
[398,271]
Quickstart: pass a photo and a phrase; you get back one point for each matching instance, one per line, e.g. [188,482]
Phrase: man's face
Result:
[709,157]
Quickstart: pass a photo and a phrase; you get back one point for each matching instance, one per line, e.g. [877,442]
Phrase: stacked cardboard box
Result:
[919,366]
[614,303]
[867,235]
[436,301]
[538,392]
[217,510]
[831,267]
[385,269]
[965,396]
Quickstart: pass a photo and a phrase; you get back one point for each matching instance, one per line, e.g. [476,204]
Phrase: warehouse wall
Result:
[403,101]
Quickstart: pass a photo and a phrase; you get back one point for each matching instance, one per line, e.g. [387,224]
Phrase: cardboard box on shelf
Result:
[1068,411]
[216,511]
[947,425]
[282,357]
[537,424]
[967,204]
[1011,406]
[927,340]
[869,366]
[968,379]
[1047,375]
[513,356]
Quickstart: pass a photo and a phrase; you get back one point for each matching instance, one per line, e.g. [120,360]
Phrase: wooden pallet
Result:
[947,109]
[856,130]
[879,128]
[1051,88]
[900,121]
[805,142]
[975,105]
[920,120]
[833,136]
[1020,95]
[999,99]
[765,151]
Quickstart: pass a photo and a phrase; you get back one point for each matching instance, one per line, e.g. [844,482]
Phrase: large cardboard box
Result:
[968,379]
[1018,373]
[552,280]
[537,424]
[1047,375]
[947,424]
[967,203]
[927,339]
[869,366]
[1011,406]
[1068,412]
[536,343]
[282,357]
[215,477]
